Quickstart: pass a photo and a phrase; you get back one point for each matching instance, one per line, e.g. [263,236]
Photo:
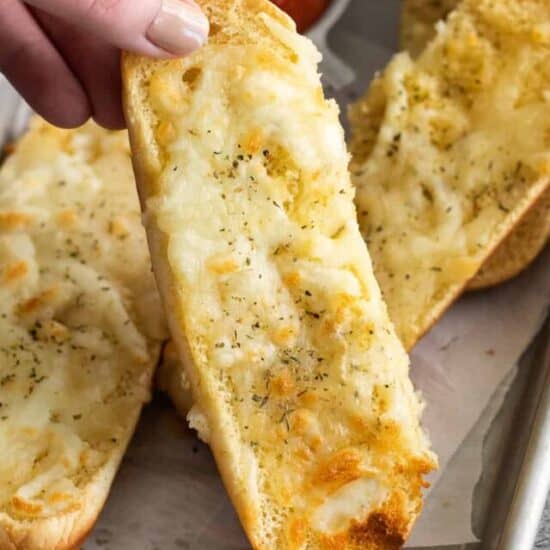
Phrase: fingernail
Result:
[179,28]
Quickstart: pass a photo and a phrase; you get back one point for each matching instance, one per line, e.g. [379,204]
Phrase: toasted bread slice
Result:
[80,330]
[301,381]
[450,151]
[528,239]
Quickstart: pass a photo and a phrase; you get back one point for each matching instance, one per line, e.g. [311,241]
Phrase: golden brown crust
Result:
[519,250]
[455,293]
[65,532]
[418,20]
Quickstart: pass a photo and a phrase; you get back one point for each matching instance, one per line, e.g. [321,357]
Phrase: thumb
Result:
[157,28]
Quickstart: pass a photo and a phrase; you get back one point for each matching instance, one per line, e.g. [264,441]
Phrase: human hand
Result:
[63,55]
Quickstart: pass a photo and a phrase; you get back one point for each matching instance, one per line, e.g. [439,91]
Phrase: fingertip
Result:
[145,47]
[67,108]
[110,121]
[66,119]
[179,28]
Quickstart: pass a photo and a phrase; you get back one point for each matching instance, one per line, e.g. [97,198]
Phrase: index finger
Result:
[157,28]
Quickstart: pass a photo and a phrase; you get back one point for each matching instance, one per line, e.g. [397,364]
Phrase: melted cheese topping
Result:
[351,502]
[77,347]
[528,238]
[298,369]
[450,151]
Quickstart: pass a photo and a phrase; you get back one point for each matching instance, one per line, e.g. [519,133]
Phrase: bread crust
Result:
[519,250]
[67,531]
[146,162]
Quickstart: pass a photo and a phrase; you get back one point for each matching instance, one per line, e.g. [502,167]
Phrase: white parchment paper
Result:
[463,367]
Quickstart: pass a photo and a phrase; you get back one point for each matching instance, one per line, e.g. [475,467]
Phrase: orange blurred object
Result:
[304,12]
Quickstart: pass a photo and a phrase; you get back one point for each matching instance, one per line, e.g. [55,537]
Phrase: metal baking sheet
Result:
[143,506]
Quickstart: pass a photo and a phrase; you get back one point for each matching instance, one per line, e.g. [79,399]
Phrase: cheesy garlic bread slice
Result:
[301,384]
[450,151]
[528,239]
[80,330]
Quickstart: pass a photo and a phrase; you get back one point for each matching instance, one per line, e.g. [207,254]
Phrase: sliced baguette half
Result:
[80,330]
[450,151]
[528,239]
[300,382]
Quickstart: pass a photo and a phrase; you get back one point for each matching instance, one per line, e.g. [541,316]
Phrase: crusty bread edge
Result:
[68,531]
[491,274]
[455,291]
[146,169]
